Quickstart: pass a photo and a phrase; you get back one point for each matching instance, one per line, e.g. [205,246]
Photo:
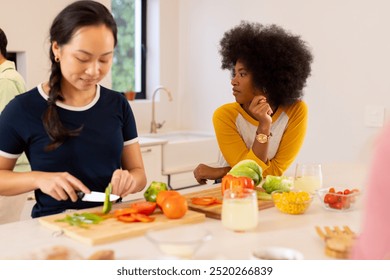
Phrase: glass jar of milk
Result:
[240,210]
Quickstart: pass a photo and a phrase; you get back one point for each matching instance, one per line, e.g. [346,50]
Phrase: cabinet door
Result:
[152,157]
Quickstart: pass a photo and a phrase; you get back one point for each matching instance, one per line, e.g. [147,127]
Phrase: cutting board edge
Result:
[125,236]
[69,231]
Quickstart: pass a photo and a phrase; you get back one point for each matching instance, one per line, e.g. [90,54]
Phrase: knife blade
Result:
[96,196]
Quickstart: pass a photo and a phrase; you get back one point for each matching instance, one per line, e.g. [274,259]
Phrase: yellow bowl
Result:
[293,202]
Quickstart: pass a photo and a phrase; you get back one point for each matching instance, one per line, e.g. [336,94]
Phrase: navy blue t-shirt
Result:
[108,124]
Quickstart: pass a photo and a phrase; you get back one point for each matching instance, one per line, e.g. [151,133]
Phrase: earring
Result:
[57,59]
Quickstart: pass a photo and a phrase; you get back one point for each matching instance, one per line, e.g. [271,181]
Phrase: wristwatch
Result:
[263,138]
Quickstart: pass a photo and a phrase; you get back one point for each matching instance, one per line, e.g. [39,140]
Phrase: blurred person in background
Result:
[11,84]
[373,242]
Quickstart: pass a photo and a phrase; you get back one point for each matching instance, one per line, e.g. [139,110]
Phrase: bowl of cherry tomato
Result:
[339,199]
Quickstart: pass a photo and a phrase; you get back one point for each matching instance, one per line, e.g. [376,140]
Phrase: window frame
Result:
[142,94]
[141,81]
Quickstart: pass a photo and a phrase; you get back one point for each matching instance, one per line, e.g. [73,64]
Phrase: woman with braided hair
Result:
[77,134]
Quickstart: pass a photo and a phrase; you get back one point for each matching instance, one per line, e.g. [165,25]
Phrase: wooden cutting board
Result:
[111,230]
[214,211]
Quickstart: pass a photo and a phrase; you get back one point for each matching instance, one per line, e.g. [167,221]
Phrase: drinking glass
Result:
[308,177]
[240,210]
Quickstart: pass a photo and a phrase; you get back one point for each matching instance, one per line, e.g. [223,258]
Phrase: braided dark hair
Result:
[68,21]
[278,61]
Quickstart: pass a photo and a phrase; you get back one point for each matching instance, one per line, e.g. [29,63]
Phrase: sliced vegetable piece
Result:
[204,200]
[143,218]
[127,218]
[125,211]
[107,203]
[144,207]
[81,219]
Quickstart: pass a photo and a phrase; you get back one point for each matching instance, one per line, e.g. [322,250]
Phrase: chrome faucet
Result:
[154,126]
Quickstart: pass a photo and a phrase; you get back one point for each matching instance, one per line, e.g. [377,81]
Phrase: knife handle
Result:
[80,194]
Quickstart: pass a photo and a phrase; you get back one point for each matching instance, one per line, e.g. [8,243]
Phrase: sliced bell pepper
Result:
[204,200]
[127,218]
[143,218]
[125,212]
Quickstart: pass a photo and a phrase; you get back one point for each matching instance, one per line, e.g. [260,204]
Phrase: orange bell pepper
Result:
[236,184]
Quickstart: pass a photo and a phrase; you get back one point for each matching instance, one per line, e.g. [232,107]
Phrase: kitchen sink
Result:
[182,151]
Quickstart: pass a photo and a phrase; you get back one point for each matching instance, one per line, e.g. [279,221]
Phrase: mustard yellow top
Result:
[236,130]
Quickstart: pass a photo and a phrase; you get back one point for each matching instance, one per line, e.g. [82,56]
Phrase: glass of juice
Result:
[240,210]
[308,177]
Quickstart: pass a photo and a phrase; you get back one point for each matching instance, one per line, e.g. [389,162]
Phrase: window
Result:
[129,64]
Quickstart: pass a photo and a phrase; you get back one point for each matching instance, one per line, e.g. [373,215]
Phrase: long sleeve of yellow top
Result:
[236,130]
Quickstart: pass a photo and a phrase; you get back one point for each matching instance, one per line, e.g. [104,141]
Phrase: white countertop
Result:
[20,239]
[148,141]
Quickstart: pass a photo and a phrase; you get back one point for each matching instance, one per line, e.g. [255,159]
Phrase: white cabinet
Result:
[151,156]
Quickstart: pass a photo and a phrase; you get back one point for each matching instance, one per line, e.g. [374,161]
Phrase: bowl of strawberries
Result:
[338,198]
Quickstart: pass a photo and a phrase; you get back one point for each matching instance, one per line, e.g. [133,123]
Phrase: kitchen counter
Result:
[21,239]
[148,141]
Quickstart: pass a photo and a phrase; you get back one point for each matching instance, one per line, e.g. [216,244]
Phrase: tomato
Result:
[144,207]
[236,184]
[327,198]
[162,195]
[204,200]
[332,199]
[174,206]
[337,205]
[332,190]
[346,192]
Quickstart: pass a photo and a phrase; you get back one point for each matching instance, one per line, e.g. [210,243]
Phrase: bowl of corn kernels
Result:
[292,202]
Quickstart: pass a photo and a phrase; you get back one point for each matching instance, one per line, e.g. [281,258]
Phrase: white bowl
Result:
[276,253]
[179,242]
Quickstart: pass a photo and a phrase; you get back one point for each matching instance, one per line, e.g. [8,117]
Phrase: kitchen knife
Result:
[96,196]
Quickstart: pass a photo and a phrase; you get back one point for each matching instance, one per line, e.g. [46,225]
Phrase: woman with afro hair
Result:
[268,121]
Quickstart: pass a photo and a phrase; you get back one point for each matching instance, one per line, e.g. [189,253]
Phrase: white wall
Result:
[349,40]
[350,43]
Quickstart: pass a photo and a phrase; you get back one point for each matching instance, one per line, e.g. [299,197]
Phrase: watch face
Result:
[262,138]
